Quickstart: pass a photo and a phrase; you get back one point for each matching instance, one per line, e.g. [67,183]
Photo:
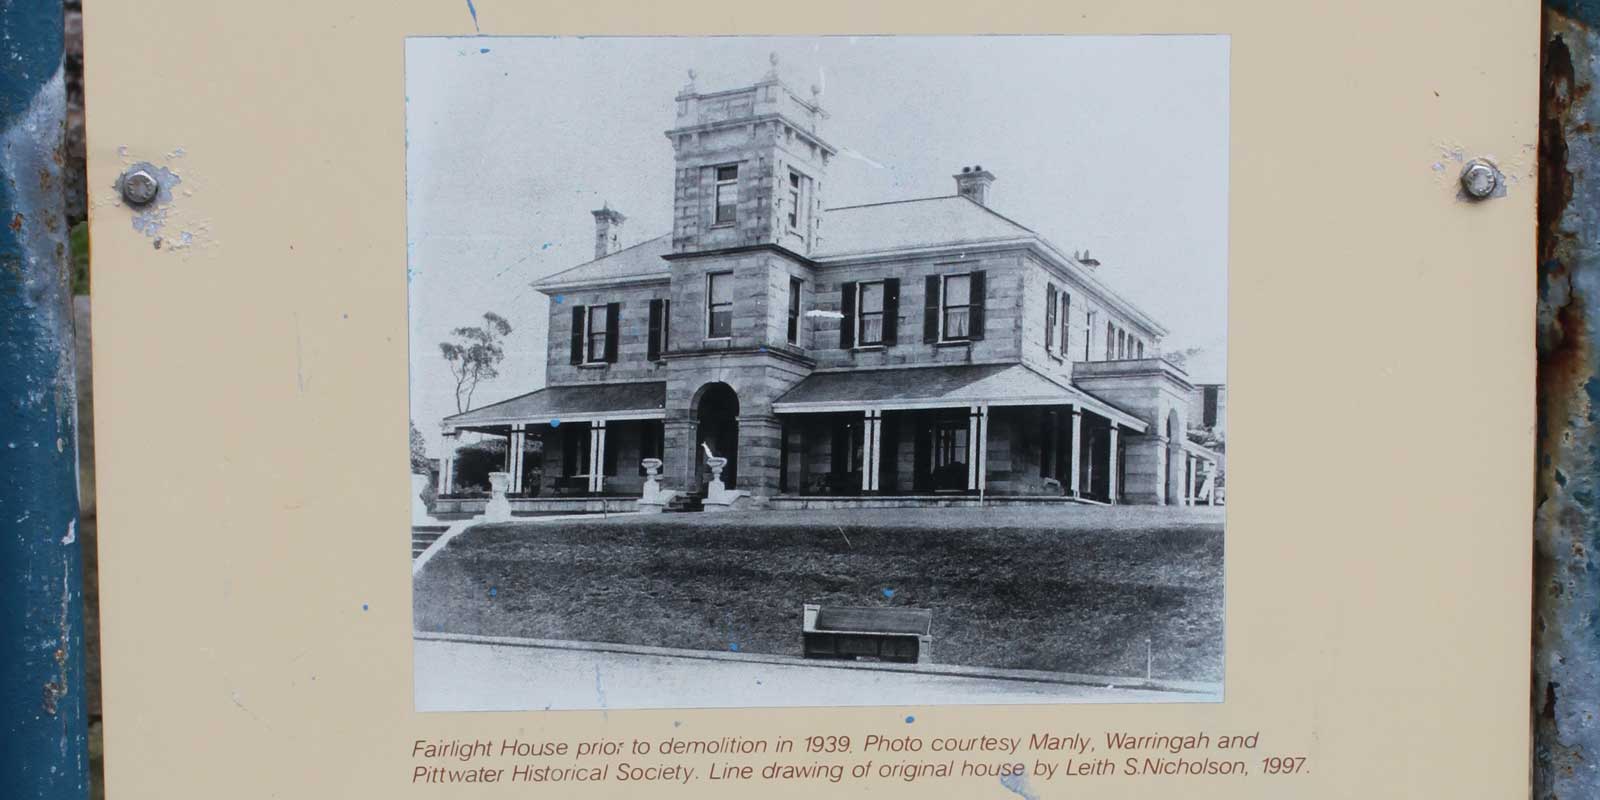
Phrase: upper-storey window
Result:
[870,314]
[956,315]
[1065,321]
[719,305]
[1111,342]
[1057,321]
[1141,348]
[598,325]
[594,333]
[1051,307]
[796,209]
[727,194]
[794,310]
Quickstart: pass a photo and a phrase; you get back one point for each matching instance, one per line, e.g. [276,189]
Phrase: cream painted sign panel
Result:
[1037,402]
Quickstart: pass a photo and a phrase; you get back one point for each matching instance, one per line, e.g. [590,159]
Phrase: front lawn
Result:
[1072,588]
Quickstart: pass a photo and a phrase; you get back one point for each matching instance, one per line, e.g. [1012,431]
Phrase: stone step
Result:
[684,503]
[423,536]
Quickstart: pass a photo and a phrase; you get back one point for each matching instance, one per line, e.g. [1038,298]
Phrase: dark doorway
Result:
[718,428]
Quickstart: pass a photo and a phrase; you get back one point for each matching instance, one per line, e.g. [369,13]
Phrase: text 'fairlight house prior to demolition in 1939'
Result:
[927,351]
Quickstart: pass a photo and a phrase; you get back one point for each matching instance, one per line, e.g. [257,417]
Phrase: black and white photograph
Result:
[827,371]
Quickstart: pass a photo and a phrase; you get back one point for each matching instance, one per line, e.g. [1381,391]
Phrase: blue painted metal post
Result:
[43,743]
[1566,602]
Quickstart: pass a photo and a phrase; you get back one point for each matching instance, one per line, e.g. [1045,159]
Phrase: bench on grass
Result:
[867,634]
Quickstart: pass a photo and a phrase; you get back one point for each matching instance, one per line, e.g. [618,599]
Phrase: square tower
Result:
[749,167]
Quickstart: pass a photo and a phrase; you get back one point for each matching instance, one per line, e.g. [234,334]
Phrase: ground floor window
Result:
[942,446]
[950,445]
[576,456]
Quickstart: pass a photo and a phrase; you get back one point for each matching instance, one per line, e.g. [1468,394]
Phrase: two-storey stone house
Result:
[898,352]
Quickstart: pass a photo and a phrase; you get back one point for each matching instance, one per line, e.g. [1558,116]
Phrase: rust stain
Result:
[16,222]
[1565,692]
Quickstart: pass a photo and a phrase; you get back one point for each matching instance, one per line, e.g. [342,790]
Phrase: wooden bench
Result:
[871,634]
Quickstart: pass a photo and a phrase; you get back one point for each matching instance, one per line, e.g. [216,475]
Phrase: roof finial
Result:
[689,87]
[772,58]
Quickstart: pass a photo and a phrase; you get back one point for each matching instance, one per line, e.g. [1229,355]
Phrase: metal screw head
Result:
[1479,179]
[139,187]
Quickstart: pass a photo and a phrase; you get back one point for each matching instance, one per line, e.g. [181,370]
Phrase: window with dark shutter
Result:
[1049,318]
[847,307]
[891,311]
[930,309]
[613,324]
[653,346]
[577,334]
[1066,324]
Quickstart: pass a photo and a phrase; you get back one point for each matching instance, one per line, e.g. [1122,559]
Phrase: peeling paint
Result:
[170,223]
[41,666]
[1566,668]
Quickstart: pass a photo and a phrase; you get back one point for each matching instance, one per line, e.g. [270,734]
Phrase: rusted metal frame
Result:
[43,752]
[1566,632]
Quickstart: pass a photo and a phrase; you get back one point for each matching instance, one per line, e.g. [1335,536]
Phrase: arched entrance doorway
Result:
[717,410]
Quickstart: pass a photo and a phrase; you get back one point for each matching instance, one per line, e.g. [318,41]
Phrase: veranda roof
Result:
[643,400]
[950,386]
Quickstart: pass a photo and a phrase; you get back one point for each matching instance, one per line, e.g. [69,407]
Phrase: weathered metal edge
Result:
[1566,603]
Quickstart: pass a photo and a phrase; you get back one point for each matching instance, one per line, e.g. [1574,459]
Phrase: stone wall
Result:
[633,329]
[1085,302]
[1002,312]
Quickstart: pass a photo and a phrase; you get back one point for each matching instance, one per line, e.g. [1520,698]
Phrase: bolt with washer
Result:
[1479,179]
[139,187]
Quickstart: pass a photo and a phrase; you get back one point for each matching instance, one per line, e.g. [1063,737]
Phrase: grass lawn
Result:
[1072,588]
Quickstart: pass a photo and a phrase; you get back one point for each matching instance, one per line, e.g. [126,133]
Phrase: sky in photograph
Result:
[1115,145]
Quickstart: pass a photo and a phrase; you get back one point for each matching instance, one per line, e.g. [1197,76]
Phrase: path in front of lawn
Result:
[1065,588]
[469,676]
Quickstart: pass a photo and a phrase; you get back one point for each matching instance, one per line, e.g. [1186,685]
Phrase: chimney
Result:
[607,231]
[973,183]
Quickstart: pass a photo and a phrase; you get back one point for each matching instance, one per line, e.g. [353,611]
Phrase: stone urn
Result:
[499,508]
[652,486]
[419,507]
[716,463]
[655,499]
